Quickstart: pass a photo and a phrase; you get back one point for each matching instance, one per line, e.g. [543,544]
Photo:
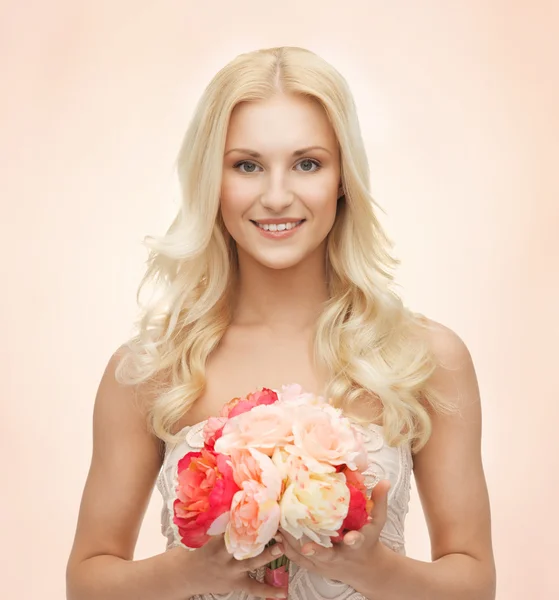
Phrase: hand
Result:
[211,569]
[358,549]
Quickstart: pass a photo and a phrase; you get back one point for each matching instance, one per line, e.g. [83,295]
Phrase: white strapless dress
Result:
[385,462]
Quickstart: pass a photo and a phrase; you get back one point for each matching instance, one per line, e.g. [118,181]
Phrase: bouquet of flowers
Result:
[270,460]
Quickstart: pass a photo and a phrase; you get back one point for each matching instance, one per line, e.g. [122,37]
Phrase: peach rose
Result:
[253,521]
[316,507]
[251,465]
[262,428]
[323,436]
[290,465]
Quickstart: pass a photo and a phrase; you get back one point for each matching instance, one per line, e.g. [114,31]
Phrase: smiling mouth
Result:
[286,226]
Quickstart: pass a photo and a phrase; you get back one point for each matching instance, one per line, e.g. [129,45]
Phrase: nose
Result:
[276,197]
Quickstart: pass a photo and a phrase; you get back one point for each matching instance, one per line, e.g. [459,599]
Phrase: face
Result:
[281,180]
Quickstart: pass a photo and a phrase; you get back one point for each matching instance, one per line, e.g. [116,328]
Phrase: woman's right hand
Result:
[211,569]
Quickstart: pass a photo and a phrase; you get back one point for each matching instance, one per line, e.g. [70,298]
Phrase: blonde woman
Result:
[276,270]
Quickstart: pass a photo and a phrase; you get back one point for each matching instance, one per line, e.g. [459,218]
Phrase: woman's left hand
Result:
[357,549]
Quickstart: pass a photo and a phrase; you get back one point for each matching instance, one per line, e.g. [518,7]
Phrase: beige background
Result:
[458,104]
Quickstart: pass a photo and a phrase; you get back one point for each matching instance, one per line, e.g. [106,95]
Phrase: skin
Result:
[279,184]
[281,289]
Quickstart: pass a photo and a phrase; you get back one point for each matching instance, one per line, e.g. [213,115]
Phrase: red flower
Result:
[357,513]
[204,490]
[360,504]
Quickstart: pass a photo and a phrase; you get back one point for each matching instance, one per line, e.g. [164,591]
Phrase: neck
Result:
[281,299]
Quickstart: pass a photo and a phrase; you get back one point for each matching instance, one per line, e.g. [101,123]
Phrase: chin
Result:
[279,263]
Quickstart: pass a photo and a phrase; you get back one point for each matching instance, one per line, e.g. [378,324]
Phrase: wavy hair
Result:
[366,340]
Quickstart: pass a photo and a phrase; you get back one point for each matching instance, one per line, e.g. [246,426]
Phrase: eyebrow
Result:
[255,154]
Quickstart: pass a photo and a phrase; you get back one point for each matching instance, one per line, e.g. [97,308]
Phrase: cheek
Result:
[323,207]
[235,201]
[320,194]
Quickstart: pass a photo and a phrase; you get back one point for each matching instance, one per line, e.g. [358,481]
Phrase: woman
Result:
[276,270]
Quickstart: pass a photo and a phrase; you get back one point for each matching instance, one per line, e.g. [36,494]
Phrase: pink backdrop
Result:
[458,104]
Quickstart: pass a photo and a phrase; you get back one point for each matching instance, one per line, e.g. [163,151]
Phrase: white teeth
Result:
[279,226]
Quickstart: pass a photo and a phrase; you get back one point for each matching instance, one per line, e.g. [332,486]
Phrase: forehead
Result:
[281,121]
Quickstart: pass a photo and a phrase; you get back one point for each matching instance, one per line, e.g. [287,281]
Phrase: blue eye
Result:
[309,161]
[245,162]
[251,167]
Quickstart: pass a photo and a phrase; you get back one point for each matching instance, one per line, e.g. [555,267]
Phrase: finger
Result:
[379,496]
[289,539]
[266,556]
[318,553]
[294,554]
[217,544]
[354,540]
[263,590]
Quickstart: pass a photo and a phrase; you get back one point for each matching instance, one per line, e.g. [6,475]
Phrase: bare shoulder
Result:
[120,404]
[448,469]
[454,380]
[455,369]
[449,348]
[125,461]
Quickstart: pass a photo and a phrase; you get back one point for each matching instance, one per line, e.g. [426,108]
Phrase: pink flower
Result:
[323,436]
[226,409]
[213,430]
[294,395]
[254,520]
[238,406]
[205,489]
[263,396]
[262,428]
[250,465]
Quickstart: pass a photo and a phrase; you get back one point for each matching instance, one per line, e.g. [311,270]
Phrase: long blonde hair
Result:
[366,340]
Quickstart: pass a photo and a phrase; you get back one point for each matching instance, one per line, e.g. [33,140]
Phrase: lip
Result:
[277,235]
[276,221]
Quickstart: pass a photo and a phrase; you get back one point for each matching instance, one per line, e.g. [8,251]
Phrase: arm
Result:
[453,493]
[125,462]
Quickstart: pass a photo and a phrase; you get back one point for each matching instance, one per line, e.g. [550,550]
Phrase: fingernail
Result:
[351,541]
[309,552]
[278,538]
[276,550]
[280,595]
